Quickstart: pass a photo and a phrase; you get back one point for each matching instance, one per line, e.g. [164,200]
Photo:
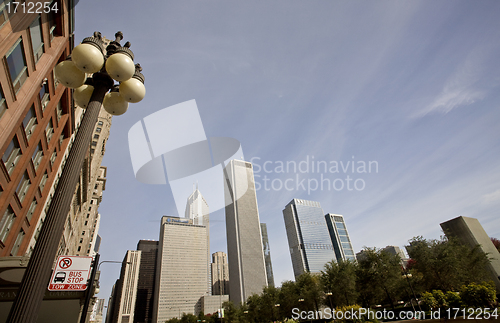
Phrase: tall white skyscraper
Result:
[247,271]
[197,211]
[308,237]
[181,275]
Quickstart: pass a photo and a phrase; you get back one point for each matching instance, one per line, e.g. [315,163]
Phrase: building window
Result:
[59,111]
[5,11]
[38,229]
[99,124]
[23,186]
[98,129]
[16,62]
[83,233]
[86,222]
[94,143]
[11,155]
[81,240]
[6,223]
[44,95]
[3,104]
[44,179]
[53,158]
[30,122]
[37,156]
[53,20]
[36,39]
[49,131]
[17,243]
[31,210]
[96,136]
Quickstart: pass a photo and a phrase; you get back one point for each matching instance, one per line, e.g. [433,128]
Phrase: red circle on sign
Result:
[65,263]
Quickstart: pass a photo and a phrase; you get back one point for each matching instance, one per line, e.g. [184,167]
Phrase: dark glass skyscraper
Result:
[146,284]
[308,238]
[340,237]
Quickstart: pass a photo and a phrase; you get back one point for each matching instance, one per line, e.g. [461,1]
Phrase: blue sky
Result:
[410,85]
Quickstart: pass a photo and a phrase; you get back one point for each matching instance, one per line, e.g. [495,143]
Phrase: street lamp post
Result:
[329,294]
[116,62]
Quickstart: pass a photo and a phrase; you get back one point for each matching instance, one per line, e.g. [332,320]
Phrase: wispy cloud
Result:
[461,89]
[492,197]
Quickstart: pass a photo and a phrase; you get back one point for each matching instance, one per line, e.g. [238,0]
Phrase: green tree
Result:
[310,291]
[478,295]
[453,299]
[254,308]
[339,279]
[288,298]
[231,314]
[188,318]
[379,276]
[446,264]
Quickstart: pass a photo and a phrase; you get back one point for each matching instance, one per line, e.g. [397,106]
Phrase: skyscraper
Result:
[308,238]
[267,255]
[125,289]
[197,210]
[181,274]
[247,271]
[146,283]
[340,237]
[470,232]
[220,274]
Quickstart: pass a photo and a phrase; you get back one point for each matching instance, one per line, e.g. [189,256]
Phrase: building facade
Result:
[97,310]
[36,119]
[470,232]
[125,290]
[308,237]
[181,276]
[247,271]
[144,304]
[340,237]
[267,255]
[220,274]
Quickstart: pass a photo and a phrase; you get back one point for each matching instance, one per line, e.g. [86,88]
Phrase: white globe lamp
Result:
[69,75]
[88,57]
[120,66]
[115,104]
[82,95]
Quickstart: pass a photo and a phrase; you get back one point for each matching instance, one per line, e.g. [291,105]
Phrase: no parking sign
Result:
[71,273]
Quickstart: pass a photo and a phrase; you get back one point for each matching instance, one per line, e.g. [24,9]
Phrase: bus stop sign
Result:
[71,273]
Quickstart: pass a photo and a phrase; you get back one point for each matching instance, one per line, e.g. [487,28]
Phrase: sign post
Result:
[70,273]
